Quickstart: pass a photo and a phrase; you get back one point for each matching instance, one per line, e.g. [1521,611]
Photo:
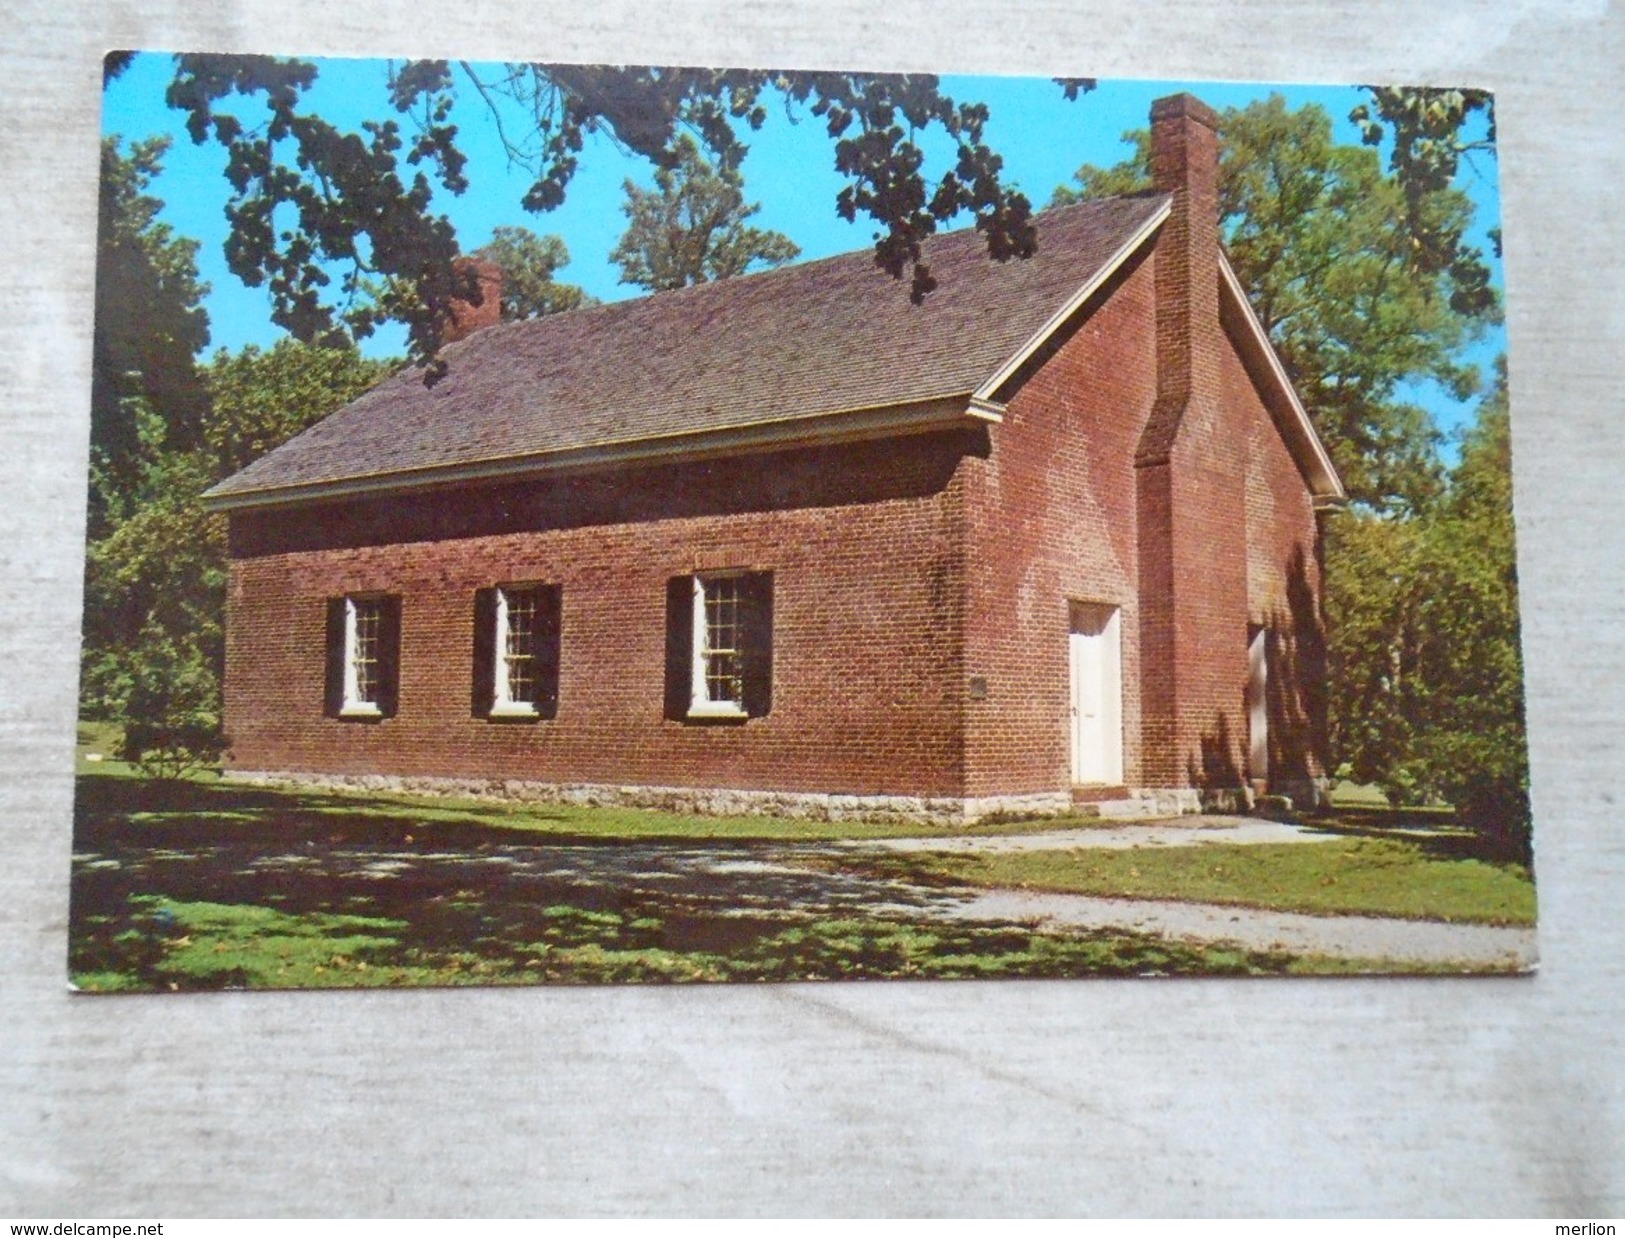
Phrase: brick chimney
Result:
[1190,481]
[1185,163]
[464,318]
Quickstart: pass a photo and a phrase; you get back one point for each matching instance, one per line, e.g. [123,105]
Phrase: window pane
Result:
[724,682]
[364,652]
[519,645]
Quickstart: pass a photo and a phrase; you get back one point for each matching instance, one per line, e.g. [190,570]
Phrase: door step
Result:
[1120,803]
[1098,794]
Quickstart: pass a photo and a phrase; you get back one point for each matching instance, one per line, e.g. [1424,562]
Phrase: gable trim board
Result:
[926,539]
[988,392]
[1292,418]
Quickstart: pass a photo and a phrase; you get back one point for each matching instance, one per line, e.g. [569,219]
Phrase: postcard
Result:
[594,524]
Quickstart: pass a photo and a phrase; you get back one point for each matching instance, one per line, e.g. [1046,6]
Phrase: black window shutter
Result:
[679,645]
[485,652]
[389,656]
[549,616]
[757,615]
[333,701]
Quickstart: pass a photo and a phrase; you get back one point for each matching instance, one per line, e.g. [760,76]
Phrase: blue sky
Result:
[789,170]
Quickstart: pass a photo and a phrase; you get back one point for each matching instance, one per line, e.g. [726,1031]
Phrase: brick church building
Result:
[790,543]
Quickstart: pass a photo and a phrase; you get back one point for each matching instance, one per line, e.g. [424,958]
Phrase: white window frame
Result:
[701,704]
[502,703]
[354,706]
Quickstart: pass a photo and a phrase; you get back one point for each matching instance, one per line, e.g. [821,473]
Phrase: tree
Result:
[155,582]
[528,264]
[1427,126]
[154,601]
[145,394]
[1373,613]
[310,202]
[148,406]
[1320,240]
[691,229]
[1428,676]
[1471,734]
[260,398]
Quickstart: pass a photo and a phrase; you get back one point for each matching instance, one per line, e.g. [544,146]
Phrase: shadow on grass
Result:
[315,914]
[1436,832]
[208,922]
[200,885]
[110,811]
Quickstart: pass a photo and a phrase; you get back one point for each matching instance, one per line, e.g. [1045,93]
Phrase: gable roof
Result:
[823,349]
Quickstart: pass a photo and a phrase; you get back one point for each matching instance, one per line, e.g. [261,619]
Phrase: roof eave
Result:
[852,425]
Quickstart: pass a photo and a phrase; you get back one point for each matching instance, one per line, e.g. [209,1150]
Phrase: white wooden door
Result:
[1258,711]
[1097,694]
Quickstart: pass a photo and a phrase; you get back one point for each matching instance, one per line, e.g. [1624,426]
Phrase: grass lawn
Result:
[162,944]
[1365,876]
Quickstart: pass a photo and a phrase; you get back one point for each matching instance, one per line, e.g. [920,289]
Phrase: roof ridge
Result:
[789,268]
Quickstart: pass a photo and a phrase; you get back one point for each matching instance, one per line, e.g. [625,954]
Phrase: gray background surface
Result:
[1216,1097]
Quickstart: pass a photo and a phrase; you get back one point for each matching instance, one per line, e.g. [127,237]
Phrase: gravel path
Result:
[1182,833]
[1423,942]
[1472,946]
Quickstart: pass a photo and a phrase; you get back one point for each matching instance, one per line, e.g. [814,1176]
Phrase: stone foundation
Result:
[1141,802]
[704,801]
[1236,801]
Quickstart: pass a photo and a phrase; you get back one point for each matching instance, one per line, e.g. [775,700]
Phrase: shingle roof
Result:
[820,338]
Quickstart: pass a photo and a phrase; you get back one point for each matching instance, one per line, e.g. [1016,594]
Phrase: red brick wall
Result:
[1208,468]
[1051,519]
[1192,542]
[1283,586]
[1237,515]
[902,570]
[463,318]
[1193,551]
[865,545]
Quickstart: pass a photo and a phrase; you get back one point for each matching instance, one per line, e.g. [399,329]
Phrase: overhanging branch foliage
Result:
[1427,125]
[310,203]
